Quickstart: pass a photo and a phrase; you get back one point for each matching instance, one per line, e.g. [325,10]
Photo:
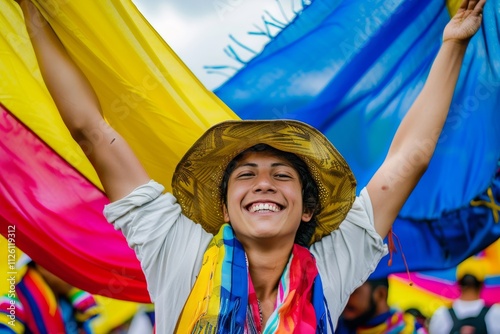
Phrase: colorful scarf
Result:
[33,308]
[84,304]
[223,299]
[39,304]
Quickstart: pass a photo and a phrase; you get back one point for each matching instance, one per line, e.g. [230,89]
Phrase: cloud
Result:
[184,7]
[199,30]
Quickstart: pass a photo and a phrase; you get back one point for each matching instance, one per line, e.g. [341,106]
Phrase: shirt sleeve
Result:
[441,322]
[491,318]
[169,246]
[347,256]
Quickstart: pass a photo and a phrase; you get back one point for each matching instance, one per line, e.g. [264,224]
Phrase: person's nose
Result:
[264,183]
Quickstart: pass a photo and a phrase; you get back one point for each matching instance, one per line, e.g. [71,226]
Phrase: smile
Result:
[264,207]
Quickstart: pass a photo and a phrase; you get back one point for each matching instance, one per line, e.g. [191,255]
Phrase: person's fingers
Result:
[464,5]
[471,5]
[478,9]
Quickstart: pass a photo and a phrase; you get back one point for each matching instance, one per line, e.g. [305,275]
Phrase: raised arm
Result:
[418,133]
[116,165]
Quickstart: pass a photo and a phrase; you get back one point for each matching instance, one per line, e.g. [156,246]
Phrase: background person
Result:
[468,313]
[367,311]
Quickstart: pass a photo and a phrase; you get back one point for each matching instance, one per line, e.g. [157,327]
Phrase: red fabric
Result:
[55,210]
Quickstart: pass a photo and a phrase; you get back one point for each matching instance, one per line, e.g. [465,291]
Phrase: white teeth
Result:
[264,207]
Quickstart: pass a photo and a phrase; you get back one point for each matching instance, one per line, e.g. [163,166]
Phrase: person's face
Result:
[264,198]
[361,306]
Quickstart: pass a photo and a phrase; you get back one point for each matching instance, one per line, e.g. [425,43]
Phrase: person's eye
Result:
[245,175]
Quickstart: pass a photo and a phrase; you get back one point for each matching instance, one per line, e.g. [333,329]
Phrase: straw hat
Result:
[197,178]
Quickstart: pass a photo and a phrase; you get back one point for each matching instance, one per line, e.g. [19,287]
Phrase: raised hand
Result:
[466,21]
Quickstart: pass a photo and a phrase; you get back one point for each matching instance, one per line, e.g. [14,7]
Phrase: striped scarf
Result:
[41,312]
[223,299]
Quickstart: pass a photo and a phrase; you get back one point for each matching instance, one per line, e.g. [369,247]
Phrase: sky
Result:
[200,31]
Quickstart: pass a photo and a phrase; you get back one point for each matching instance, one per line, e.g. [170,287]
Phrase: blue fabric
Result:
[447,240]
[67,313]
[323,317]
[234,298]
[353,69]
[6,329]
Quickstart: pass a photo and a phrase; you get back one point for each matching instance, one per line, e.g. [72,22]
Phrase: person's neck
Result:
[266,266]
[382,308]
[469,295]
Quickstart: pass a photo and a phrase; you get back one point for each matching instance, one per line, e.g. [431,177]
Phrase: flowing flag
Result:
[430,290]
[353,69]
[48,190]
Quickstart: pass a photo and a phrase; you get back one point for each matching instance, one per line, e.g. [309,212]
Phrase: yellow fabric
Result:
[453,6]
[490,204]
[16,326]
[410,324]
[4,265]
[491,259]
[9,266]
[403,296]
[208,278]
[24,93]
[472,266]
[112,313]
[146,92]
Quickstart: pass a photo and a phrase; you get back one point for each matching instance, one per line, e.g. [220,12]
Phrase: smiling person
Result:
[264,232]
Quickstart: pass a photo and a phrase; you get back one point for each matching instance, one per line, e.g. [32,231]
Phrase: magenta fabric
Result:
[448,288]
[57,214]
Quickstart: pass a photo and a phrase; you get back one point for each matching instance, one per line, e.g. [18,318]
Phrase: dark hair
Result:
[470,281]
[379,284]
[310,192]
[415,312]
[375,283]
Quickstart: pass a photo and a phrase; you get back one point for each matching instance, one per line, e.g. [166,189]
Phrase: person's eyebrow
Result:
[274,164]
[247,164]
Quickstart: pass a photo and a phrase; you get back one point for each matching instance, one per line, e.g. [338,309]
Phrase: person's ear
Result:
[225,213]
[307,215]
[381,293]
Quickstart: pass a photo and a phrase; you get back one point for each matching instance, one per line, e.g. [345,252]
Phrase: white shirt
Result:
[442,323]
[170,248]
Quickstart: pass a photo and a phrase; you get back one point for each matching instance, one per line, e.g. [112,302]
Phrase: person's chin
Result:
[266,234]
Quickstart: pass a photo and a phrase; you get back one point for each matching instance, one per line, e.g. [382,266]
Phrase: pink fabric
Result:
[448,289]
[55,210]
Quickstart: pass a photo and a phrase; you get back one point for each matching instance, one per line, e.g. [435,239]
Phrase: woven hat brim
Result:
[197,178]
